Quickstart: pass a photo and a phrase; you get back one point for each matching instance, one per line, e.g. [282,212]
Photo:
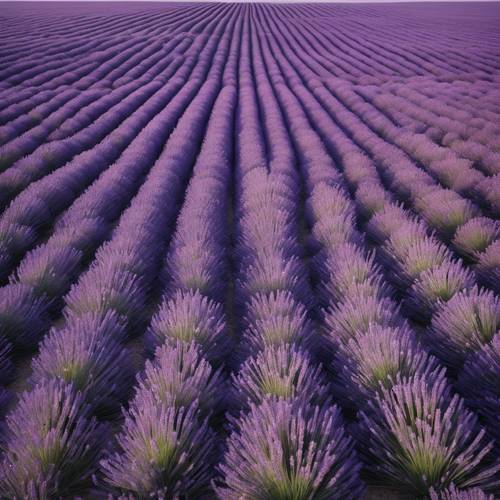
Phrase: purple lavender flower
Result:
[378,358]
[112,290]
[479,382]
[333,231]
[489,189]
[88,353]
[287,449]
[23,316]
[328,201]
[445,211]
[464,324]
[82,237]
[281,372]
[488,267]
[165,451]
[272,273]
[277,319]
[436,286]
[34,213]
[346,271]
[371,198]
[190,317]
[266,233]
[453,493]
[178,376]
[417,435]
[475,236]
[354,316]
[14,240]
[385,222]
[52,444]
[409,257]
[49,270]
[196,266]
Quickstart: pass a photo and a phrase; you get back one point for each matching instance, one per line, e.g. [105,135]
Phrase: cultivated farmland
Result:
[249,251]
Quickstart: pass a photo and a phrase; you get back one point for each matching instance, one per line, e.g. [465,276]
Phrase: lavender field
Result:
[250,251]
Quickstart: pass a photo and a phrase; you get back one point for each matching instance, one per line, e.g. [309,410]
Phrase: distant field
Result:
[249,251]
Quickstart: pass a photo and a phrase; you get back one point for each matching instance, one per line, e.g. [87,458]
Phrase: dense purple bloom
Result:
[53,444]
[475,236]
[88,353]
[479,382]
[371,198]
[179,376]
[190,317]
[413,255]
[436,286]
[196,267]
[385,222]
[378,358]
[464,324]
[33,214]
[165,451]
[327,201]
[453,493]
[347,270]
[272,273]
[279,372]
[14,239]
[446,213]
[277,319]
[354,316]
[49,270]
[335,230]
[23,316]
[104,291]
[287,449]
[249,191]
[417,435]
[83,237]
[488,267]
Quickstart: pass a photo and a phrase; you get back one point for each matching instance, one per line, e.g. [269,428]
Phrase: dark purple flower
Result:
[100,291]
[276,319]
[346,271]
[436,286]
[88,352]
[445,211]
[488,267]
[417,435]
[464,324]
[23,316]
[354,316]
[164,451]
[479,382]
[281,372]
[453,493]
[378,358]
[178,376]
[53,445]
[472,238]
[286,449]
[190,317]
[49,270]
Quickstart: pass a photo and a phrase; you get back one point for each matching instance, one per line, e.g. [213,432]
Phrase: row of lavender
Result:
[280,231]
